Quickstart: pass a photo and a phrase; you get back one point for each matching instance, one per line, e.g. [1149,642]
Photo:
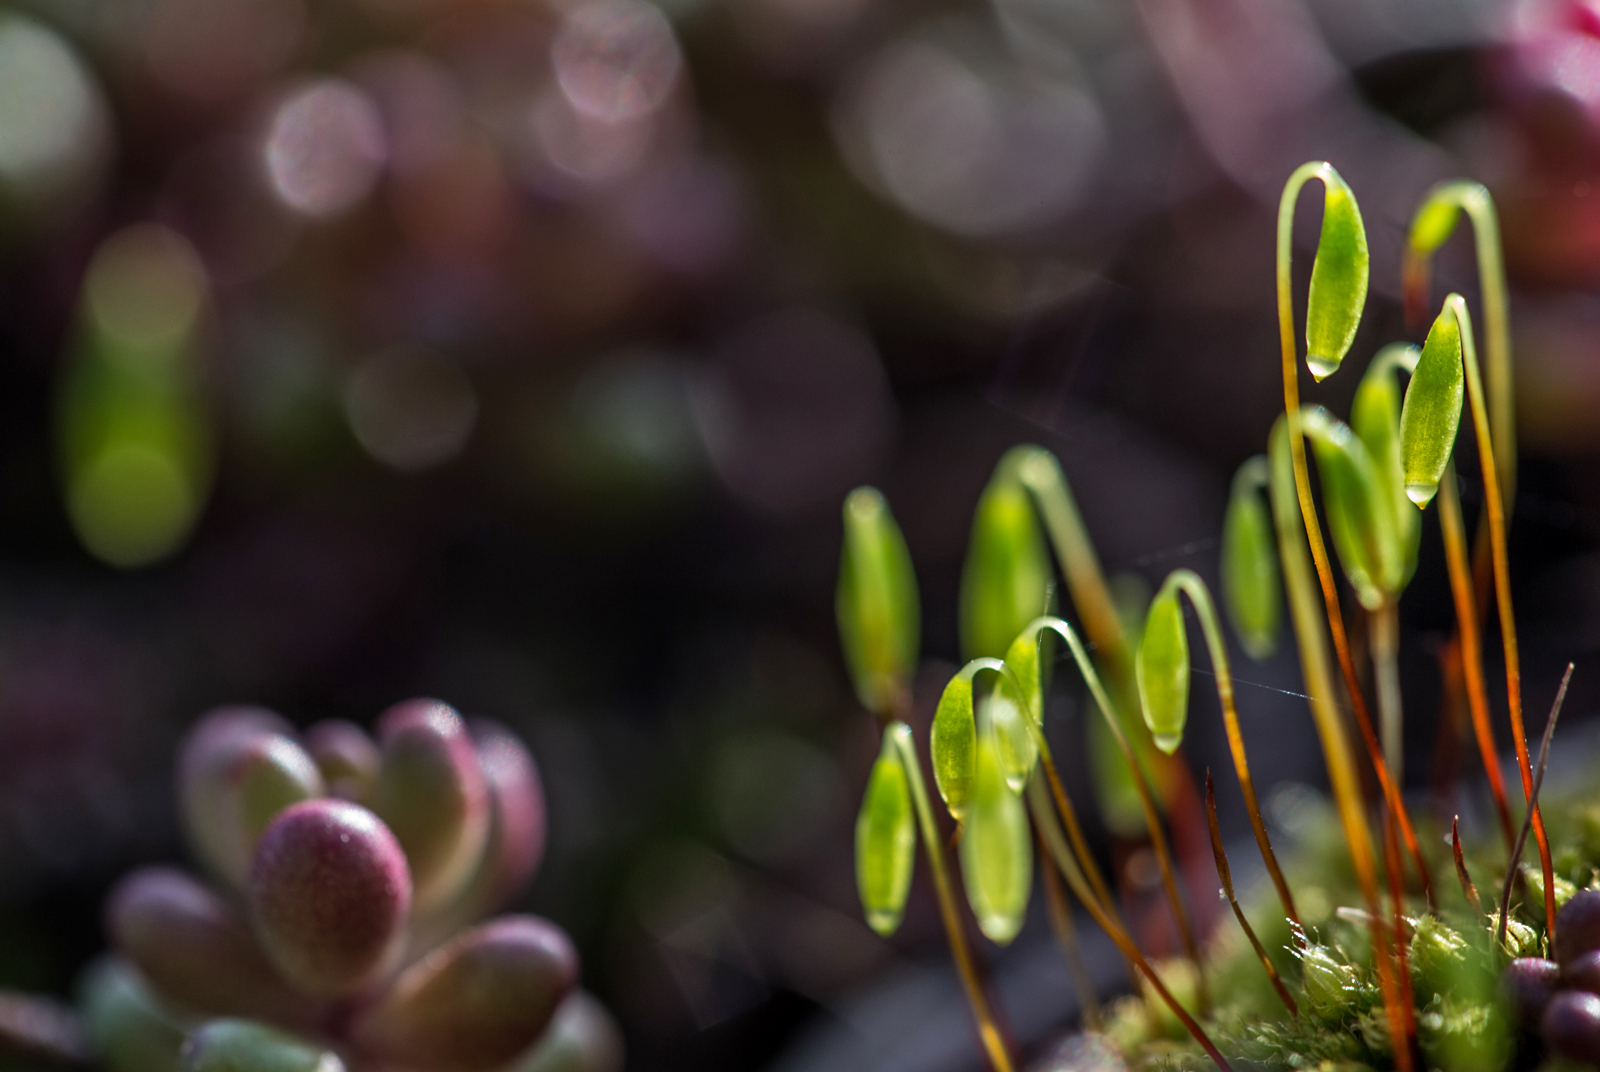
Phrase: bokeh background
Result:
[520,352]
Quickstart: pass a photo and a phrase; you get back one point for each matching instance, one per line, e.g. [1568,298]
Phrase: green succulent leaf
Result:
[1005,583]
[245,1046]
[1360,514]
[886,839]
[1162,669]
[1375,418]
[1432,411]
[128,1025]
[879,618]
[1338,278]
[996,851]
[1252,591]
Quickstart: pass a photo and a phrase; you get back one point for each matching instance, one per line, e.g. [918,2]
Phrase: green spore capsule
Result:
[1252,590]
[954,744]
[1338,278]
[1162,669]
[245,1046]
[1431,415]
[1375,419]
[886,839]
[1435,221]
[1360,514]
[996,852]
[879,616]
[1005,583]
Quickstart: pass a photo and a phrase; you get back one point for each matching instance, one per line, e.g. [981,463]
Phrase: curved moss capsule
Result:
[879,618]
[1015,746]
[885,841]
[1005,583]
[1338,279]
[953,744]
[246,1046]
[1375,418]
[1162,669]
[134,429]
[1432,412]
[1360,515]
[1252,591]
[1435,221]
[996,852]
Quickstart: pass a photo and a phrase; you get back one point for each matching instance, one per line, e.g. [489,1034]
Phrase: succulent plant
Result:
[344,923]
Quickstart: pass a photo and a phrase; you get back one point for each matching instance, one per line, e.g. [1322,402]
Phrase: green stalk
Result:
[1152,818]
[1473,199]
[1044,822]
[1384,631]
[1188,582]
[1495,511]
[959,950]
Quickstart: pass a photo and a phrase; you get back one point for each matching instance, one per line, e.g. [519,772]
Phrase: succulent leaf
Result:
[1005,583]
[329,895]
[347,757]
[1338,279]
[239,768]
[1162,669]
[246,1046]
[1252,590]
[582,1037]
[996,850]
[191,945]
[880,621]
[432,794]
[1432,412]
[130,1029]
[885,841]
[475,1003]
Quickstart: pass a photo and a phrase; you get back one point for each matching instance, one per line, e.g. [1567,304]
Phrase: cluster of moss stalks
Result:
[1373,951]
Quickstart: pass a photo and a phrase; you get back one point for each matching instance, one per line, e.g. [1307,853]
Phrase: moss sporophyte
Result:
[1367,952]
[341,923]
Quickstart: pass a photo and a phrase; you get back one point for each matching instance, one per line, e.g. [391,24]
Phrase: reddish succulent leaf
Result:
[475,1003]
[432,794]
[329,895]
[194,949]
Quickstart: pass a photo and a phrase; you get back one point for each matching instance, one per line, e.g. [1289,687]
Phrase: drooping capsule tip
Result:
[1321,366]
[1421,493]
[883,922]
[1168,742]
[863,503]
[999,928]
